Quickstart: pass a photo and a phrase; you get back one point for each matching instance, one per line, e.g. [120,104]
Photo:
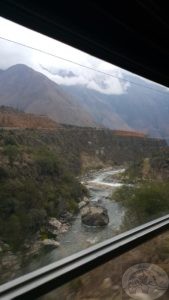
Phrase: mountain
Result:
[100,107]
[143,107]
[23,88]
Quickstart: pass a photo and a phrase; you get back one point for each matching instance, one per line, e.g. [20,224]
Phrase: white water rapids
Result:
[101,179]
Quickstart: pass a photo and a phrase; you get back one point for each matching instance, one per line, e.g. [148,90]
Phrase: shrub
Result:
[9,140]
[144,202]
[11,151]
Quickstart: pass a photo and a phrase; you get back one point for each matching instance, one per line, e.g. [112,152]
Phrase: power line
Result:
[81,65]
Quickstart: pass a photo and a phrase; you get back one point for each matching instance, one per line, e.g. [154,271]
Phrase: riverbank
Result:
[79,236]
[75,236]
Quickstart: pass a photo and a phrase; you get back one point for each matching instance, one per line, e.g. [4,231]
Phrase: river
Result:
[101,185]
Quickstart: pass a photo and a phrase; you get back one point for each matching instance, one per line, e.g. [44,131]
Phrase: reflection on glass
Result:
[142,273]
[83,150]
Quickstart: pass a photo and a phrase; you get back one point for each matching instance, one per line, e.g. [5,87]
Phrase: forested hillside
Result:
[35,184]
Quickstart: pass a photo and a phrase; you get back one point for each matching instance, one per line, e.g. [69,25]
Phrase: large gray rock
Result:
[94,215]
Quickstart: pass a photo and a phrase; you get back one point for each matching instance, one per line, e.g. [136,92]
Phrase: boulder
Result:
[64,228]
[86,200]
[50,243]
[53,222]
[94,215]
[56,227]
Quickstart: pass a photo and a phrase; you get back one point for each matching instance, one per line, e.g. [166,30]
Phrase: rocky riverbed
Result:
[99,218]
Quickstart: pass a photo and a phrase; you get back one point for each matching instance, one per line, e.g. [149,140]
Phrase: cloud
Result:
[59,70]
[60,73]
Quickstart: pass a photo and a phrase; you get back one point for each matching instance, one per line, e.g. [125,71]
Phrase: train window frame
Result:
[52,276]
[44,280]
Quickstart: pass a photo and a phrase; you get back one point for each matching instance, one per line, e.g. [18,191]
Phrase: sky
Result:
[58,70]
[62,72]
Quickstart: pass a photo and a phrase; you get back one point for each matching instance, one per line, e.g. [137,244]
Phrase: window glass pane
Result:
[138,274]
[83,150]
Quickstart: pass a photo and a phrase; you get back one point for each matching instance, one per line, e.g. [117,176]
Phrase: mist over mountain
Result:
[142,106]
